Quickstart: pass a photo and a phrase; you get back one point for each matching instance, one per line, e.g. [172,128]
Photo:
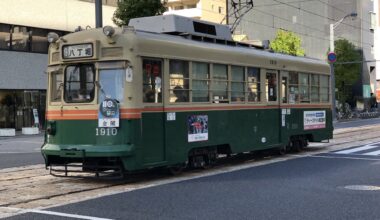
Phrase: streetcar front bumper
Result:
[65,159]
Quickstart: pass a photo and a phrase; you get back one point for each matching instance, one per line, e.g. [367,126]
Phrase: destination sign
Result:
[77,51]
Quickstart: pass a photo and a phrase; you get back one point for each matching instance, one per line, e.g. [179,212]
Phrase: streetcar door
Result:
[153,148]
[284,109]
[271,117]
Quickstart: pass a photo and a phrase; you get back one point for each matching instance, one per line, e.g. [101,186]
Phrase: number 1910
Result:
[106,131]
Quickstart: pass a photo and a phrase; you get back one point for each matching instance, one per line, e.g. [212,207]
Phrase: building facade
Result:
[23,51]
[311,21]
[208,10]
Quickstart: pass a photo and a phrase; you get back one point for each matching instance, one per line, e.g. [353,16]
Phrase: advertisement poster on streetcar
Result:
[314,120]
[197,126]
[108,115]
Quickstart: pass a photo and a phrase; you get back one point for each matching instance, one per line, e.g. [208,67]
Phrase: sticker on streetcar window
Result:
[197,126]
[77,51]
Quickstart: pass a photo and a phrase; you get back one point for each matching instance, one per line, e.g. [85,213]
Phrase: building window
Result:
[220,10]
[200,82]
[179,80]
[191,6]
[219,85]
[5,36]
[373,21]
[20,38]
[39,42]
[237,84]
[26,39]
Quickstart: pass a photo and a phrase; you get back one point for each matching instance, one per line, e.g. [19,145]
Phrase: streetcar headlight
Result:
[108,31]
[50,128]
[52,37]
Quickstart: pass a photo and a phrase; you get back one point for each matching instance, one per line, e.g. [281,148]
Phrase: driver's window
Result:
[111,84]
[79,83]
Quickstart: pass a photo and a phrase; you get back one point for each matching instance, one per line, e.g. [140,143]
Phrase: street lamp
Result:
[332,50]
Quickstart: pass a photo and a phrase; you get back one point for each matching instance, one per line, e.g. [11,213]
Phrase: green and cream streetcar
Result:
[169,91]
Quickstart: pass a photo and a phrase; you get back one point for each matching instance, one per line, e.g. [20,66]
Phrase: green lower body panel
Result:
[165,139]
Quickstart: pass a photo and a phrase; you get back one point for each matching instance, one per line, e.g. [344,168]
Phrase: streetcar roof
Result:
[236,49]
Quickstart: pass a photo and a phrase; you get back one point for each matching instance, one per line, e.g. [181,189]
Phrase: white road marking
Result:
[351,158]
[67,215]
[357,149]
[372,153]
[45,212]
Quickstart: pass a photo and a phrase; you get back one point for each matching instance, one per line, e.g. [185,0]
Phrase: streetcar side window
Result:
[314,96]
[79,83]
[304,87]
[324,88]
[179,81]
[219,85]
[237,84]
[56,86]
[253,84]
[152,81]
[111,84]
[293,88]
[271,86]
[200,82]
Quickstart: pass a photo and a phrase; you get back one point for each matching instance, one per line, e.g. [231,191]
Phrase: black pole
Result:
[98,13]
[227,11]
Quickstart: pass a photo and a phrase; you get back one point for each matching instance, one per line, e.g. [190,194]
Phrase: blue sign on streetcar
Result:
[331,56]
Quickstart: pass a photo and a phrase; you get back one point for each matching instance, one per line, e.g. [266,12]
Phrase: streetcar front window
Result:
[111,84]
[79,83]
[56,86]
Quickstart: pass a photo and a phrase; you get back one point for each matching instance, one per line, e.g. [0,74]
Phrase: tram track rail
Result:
[32,187]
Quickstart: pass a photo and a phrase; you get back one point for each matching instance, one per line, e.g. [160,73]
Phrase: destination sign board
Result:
[77,51]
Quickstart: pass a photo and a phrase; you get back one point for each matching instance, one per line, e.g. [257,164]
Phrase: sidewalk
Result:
[20,135]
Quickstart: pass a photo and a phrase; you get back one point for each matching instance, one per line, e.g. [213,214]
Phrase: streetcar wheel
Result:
[297,146]
[282,150]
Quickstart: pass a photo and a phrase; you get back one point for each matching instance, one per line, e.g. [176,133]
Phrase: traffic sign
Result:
[331,56]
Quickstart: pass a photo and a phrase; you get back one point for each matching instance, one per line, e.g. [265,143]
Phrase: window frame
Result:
[94,73]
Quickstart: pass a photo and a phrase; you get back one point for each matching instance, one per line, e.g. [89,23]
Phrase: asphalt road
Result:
[20,151]
[316,187]
[335,185]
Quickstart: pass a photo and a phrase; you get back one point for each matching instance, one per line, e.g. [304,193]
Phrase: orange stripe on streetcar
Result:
[135,113]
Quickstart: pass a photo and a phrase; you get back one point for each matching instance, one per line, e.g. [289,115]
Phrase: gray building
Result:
[311,21]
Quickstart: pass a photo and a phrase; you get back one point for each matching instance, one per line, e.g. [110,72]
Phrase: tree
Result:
[287,42]
[128,9]
[346,74]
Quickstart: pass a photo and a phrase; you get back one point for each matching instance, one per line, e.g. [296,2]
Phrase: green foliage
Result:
[128,9]
[288,43]
[346,74]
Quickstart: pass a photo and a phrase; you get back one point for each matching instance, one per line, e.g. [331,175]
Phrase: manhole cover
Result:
[362,187]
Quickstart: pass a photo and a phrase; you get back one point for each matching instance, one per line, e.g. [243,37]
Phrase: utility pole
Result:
[98,13]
